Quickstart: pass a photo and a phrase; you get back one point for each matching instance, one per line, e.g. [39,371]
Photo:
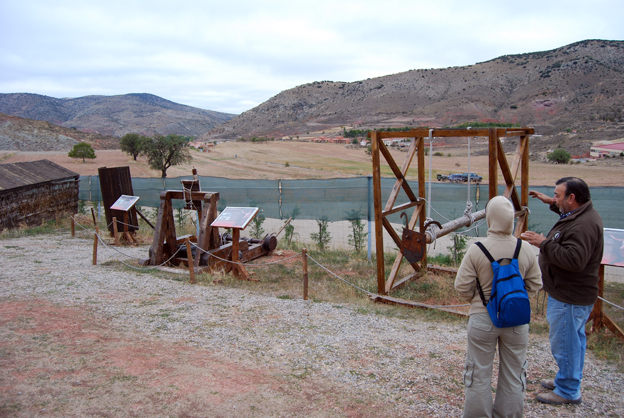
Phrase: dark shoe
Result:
[548,384]
[554,399]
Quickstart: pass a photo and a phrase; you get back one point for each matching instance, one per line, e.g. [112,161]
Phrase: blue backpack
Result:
[509,304]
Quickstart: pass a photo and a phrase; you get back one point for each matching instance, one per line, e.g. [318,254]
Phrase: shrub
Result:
[559,156]
[358,236]
[256,227]
[323,237]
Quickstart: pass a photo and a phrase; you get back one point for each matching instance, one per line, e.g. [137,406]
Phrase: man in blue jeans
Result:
[569,259]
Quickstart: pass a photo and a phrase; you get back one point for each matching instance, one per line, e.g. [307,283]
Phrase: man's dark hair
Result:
[576,186]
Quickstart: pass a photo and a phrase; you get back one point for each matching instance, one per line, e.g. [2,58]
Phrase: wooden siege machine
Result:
[413,243]
[210,251]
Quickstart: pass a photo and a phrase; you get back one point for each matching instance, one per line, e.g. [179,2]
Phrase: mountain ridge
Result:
[572,95]
[141,113]
[576,87]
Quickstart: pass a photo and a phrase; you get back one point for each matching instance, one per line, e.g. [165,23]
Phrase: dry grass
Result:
[238,160]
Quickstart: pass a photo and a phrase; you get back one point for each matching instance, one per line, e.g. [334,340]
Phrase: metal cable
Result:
[610,303]
[240,263]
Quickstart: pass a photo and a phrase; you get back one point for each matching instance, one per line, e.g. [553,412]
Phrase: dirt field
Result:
[83,340]
[292,160]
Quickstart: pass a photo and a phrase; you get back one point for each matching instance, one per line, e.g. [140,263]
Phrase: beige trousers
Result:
[483,337]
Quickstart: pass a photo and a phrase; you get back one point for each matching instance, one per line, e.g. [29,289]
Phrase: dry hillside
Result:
[579,87]
[114,115]
[19,134]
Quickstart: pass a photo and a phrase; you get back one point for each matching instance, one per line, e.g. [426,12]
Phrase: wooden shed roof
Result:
[16,175]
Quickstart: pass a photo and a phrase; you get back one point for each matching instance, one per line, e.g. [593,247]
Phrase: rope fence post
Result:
[73,227]
[304,260]
[115,231]
[95,245]
[189,258]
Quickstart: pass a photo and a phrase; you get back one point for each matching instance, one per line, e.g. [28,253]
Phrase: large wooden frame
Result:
[417,148]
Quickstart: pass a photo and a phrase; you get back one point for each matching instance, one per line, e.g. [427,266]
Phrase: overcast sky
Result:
[231,55]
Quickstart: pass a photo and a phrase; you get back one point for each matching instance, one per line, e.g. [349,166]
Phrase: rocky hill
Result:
[145,114]
[577,90]
[20,134]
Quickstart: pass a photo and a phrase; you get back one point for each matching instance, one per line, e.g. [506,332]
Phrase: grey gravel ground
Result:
[416,365]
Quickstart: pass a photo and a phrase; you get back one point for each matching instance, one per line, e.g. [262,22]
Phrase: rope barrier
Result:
[338,277]
[105,244]
[610,303]
[373,294]
[240,263]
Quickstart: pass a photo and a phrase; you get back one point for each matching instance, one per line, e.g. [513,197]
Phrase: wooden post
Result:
[304,260]
[239,270]
[115,231]
[127,235]
[73,227]
[493,166]
[95,245]
[379,250]
[189,257]
[598,317]
[524,182]
[93,216]
[421,191]
[596,313]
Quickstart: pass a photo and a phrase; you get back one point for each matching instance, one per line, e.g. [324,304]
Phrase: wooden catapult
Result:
[208,250]
[413,244]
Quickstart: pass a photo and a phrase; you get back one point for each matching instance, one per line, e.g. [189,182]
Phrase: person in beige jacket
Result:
[483,336]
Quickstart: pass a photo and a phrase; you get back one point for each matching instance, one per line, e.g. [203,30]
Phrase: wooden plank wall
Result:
[114,182]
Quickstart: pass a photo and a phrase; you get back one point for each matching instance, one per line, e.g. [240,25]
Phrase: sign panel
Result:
[613,254]
[237,218]
[125,202]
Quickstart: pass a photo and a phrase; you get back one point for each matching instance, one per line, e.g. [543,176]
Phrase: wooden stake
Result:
[93,216]
[304,259]
[95,245]
[238,269]
[115,231]
[189,258]
[286,224]
[73,227]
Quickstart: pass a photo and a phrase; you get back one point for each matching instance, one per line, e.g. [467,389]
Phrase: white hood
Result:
[499,214]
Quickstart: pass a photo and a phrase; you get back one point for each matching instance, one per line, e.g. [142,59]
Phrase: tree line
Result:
[161,151]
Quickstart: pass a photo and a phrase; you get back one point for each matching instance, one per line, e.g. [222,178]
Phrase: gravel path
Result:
[398,366]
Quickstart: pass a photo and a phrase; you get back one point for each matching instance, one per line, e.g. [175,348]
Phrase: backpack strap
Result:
[486,252]
[518,246]
[489,256]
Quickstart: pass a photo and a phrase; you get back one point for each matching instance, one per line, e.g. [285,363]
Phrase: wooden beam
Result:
[450,133]
[179,194]
[421,190]
[393,234]
[379,250]
[510,187]
[397,172]
[493,166]
[158,241]
[393,272]
[397,262]
[399,181]
[524,195]
[407,279]
[403,207]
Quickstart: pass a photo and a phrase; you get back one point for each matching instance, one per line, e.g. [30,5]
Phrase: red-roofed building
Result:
[607,148]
